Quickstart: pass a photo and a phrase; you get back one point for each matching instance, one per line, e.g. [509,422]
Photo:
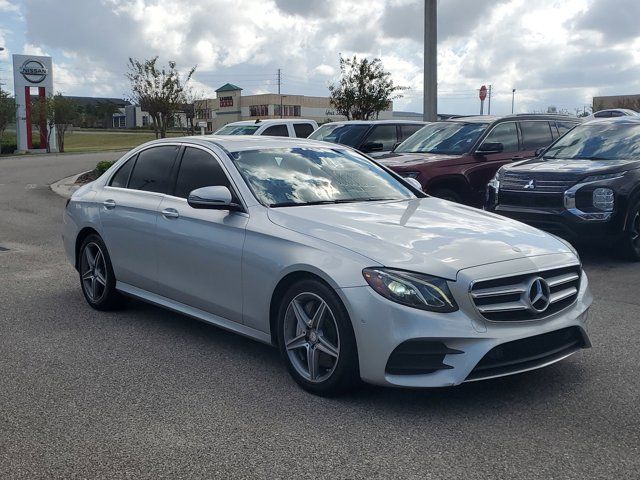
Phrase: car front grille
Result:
[545,183]
[525,199]
[513,299]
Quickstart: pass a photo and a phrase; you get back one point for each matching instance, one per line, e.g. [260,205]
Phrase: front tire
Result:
[316,339]
[97,279]
[631,240]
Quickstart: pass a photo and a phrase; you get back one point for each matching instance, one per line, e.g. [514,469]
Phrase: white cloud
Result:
[552,51]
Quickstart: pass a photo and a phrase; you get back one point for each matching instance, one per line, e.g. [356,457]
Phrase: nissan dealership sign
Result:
[33,71]
[32,79]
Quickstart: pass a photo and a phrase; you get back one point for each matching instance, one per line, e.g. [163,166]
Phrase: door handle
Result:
[109,204]
[170,213]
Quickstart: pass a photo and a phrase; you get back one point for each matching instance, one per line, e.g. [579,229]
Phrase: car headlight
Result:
[410,174]
[495,181]
[603,199]
[412,289]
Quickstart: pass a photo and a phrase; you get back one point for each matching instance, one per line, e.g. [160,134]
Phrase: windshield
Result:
[349,135]
[452,138]
[237,130]
[303,176]
[604,141]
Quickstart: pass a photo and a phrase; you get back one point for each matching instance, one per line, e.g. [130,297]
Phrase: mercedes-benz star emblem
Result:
[538,295]
[531,185]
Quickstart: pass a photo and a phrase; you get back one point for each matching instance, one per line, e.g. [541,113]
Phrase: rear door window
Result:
[506,134]
[121,178]
[303,130]
[535,134]
[153,168]
[279,130]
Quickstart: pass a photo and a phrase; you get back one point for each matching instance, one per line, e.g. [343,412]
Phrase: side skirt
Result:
[193,312]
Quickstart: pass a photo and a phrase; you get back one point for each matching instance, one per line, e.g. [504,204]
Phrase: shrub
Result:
[103,166]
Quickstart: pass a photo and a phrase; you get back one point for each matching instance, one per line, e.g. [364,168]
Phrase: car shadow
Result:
[262,363]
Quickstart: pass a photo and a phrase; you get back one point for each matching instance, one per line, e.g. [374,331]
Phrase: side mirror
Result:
[213,198]
[372,147]
[413,182]
[540,151]
[490,147]
[395,145]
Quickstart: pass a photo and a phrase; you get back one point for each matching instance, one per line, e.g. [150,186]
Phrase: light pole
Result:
[1,49]
[513,99]
[430,102]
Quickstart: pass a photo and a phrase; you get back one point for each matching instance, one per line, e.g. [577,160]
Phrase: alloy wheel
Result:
[93,270]
[311,337]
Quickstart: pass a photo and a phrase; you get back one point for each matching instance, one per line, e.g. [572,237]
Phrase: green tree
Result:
[59,112]
[158,90]
[364,89]
[8,108]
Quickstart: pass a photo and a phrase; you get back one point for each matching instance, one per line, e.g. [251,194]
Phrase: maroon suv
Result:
[456,159]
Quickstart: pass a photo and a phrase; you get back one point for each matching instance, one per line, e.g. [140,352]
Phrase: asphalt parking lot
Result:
[145,393]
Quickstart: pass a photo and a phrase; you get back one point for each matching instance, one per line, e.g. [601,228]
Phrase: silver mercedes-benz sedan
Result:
[351,271]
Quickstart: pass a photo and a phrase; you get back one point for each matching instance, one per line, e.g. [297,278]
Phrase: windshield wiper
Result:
[330,202]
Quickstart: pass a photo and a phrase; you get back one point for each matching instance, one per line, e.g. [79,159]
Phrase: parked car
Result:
[584,186]
[613,112]
[351,271]
[455,159]
[368,136]
[300,128]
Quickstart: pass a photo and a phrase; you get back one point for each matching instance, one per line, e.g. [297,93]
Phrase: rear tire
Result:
[446,194]
[631,240]
[316,339]
[97,280]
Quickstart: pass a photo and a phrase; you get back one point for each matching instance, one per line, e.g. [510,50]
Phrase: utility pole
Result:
[430,101]
[513,99]
[279,95]
[489,106]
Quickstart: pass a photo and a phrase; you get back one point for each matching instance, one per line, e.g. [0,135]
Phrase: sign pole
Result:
[482,93]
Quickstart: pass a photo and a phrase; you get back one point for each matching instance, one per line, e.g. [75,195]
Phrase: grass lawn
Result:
[89,141]
[101,141]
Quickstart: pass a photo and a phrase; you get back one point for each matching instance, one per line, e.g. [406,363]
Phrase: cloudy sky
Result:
[554,52]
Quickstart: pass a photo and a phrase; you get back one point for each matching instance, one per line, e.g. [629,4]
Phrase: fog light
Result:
[603,199]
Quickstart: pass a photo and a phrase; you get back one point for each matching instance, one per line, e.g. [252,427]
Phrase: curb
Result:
[67,186]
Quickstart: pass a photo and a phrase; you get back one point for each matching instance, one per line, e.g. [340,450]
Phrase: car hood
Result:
[408,159]
[426,235]
[570,166]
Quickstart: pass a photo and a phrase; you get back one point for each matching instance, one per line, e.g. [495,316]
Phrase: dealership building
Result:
[231,106]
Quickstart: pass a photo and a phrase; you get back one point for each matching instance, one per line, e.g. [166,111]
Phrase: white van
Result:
[300,128]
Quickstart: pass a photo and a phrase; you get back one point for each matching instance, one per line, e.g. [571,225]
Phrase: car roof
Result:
[237,143]
[518,116]
[376,122]
[268,121]
[628,119]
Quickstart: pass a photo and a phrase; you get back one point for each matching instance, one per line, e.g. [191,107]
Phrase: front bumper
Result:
[557,219]
[458,341]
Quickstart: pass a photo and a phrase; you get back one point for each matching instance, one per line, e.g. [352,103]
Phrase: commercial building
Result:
[231,106]
[616,101]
